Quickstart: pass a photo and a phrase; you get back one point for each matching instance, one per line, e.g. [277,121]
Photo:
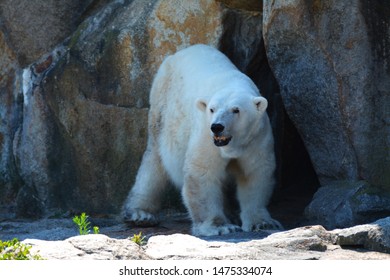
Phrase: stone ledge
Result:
[370,241]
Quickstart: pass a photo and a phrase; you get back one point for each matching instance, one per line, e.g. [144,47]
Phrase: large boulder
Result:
[347,203]
[375,236]
[331,60]
[334,79]
[87,247]
[28,31]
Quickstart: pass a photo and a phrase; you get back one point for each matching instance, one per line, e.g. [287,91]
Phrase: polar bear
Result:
[208,127]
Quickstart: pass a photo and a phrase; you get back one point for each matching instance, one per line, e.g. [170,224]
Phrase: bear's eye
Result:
[236,110]
[211,110]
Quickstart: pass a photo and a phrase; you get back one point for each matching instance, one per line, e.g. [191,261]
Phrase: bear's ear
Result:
[201,104]
[261,103]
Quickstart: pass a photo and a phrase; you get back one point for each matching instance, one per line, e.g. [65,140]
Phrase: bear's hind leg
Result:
[144,199]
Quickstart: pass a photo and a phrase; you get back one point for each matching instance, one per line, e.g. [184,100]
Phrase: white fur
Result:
[181,149]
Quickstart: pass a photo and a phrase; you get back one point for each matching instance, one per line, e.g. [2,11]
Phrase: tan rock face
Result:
[175,25]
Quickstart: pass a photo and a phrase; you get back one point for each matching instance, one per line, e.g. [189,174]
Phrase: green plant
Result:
[82,223]
[138,239]
[96,230]
[14,250]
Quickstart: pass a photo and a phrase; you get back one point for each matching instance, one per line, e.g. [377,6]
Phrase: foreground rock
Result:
[351,202]
[372,237]
[92,247]
[170,241]
[312,242]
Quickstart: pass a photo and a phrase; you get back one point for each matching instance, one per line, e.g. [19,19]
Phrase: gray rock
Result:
[58,239]
[87,247]
[375,236]
[331,62]
[298,244]
[345,204]
[36,27]
[83,130]
[45,229]
[11,112]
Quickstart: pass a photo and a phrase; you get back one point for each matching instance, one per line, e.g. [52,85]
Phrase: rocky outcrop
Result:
[88,247]
[350,202]
[374,237]
[370,241]
[28,31]
[334,87]
[331,61]
[11,112]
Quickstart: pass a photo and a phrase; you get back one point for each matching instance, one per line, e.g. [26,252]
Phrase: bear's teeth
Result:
[220,138]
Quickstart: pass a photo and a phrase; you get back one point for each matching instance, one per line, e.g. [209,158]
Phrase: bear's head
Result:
[234,119]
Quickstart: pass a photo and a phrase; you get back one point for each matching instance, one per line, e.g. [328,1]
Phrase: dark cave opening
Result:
[297,179]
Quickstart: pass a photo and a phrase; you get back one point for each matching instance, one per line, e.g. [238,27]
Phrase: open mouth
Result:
[220,141]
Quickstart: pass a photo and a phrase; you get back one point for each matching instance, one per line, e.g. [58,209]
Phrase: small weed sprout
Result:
[82,223]
[14,250]
[138,239]
[96,230]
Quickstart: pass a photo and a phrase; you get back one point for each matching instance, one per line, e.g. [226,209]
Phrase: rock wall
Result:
[334,78]
[74,88]
[332,64]
[36,27]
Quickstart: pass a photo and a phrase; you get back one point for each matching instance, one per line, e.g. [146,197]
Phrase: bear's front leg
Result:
[203,198]
[253,195]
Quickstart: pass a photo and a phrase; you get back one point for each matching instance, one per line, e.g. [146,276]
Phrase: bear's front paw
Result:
[263,224]
[205,229]
[140,218]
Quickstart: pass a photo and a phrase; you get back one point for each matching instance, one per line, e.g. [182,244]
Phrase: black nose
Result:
[217,128]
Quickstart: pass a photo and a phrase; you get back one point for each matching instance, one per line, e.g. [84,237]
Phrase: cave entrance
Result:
[297,180]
